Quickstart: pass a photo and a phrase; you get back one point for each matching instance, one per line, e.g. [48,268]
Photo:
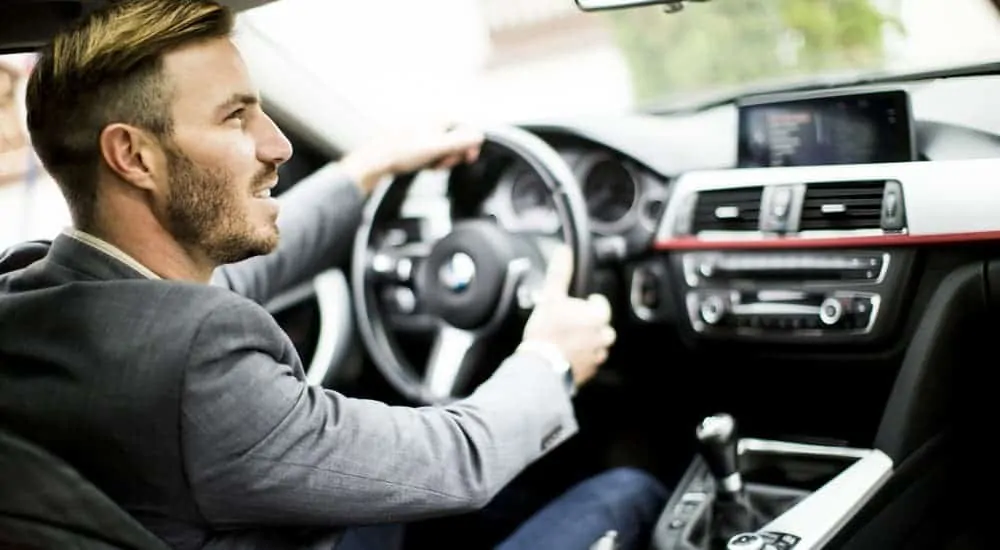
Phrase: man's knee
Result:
[634,488]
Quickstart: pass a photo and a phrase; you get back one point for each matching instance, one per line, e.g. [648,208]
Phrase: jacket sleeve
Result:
[317,222]
[264,448]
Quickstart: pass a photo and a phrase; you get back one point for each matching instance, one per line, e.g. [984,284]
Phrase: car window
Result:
[31,205]
[513,60]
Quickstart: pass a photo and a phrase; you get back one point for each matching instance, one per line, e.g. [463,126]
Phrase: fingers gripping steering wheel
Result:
[465,284]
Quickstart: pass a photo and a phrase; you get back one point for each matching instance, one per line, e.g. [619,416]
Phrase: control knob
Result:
[713,309]
[830,311]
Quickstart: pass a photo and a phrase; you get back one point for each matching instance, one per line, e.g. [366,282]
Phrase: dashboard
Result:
[627,165]
[758,271]
[780,219]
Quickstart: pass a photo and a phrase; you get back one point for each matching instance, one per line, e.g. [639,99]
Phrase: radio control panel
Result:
[830,296]
[799,312]
[706,268]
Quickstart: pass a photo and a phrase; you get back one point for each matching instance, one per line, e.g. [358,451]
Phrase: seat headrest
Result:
[22,255]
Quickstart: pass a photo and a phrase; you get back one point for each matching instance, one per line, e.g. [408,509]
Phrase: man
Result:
[184,401]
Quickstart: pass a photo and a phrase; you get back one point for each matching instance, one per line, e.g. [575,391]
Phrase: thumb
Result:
[559,273]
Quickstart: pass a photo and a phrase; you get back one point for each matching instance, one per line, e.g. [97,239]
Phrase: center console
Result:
[835,296]
[807,249]
[753,494]
[747,289]
[799,243]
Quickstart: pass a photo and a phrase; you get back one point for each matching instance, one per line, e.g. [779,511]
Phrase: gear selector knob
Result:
[717,436]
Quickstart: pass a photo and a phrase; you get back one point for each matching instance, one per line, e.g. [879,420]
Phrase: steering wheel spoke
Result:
[448,365]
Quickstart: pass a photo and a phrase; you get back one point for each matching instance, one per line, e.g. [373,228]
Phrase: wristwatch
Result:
[555,358]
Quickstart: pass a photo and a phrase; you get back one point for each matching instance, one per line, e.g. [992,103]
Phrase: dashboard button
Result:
[713,309]
[830,311]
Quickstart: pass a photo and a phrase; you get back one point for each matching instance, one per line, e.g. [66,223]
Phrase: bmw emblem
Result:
[458,272]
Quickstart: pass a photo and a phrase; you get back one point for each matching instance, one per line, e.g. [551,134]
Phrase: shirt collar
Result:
[111,250]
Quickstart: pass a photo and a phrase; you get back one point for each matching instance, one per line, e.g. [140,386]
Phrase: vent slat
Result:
[860,201]
[744,201]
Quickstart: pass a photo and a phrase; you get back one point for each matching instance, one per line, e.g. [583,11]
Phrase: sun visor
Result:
[29,24]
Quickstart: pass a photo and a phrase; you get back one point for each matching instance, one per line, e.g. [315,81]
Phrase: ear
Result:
[131,154]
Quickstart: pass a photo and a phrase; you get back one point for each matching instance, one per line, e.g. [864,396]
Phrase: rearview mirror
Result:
[598,5]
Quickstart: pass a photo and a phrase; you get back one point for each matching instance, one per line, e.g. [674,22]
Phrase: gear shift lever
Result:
[717,436]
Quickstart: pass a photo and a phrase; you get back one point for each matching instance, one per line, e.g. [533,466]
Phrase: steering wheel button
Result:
[404,269]
[382,264]
[404,299]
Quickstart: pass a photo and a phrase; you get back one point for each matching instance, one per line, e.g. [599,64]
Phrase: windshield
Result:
[400,62]
[506,59]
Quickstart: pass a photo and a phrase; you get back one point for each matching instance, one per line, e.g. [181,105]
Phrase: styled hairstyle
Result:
[108,68]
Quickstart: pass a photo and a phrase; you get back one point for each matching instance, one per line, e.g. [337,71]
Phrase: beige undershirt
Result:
[110,250]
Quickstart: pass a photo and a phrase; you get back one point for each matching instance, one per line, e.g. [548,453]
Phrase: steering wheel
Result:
[465,285]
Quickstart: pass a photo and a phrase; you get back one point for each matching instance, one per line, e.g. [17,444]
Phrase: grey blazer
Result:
[188,405]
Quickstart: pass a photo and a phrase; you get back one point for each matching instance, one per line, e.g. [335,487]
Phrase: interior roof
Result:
[28,24]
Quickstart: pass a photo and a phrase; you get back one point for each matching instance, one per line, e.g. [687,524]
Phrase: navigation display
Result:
[859,128]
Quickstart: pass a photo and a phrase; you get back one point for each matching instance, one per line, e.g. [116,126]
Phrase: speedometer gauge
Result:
[610,190]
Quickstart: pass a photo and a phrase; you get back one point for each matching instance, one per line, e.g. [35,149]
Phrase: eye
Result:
[238,114]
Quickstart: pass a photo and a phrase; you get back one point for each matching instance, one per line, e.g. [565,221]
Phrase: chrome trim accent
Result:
[819,516]
[754,445]
[336,324]
[699,265]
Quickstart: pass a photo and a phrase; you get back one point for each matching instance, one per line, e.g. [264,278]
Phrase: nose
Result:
[272,145]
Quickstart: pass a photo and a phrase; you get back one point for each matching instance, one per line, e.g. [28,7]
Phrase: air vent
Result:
[842,205]
[728,210]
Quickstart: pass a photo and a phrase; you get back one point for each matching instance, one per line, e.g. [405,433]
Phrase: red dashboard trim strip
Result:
[694,243]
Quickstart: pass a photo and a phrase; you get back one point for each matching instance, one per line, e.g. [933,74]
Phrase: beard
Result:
[207,211]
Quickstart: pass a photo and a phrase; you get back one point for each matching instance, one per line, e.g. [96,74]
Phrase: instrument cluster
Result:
[622,197]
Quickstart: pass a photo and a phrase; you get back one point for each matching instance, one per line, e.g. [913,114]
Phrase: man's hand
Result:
[580,329]
[412,151]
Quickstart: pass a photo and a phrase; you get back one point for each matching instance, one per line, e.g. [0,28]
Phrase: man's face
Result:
[223,157]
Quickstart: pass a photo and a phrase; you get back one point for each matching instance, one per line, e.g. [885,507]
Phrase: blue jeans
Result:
[625,500]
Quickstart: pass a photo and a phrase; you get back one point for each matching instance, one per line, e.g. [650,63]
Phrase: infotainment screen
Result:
[856,128]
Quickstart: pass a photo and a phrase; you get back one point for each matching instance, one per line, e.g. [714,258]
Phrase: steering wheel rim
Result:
[570,207]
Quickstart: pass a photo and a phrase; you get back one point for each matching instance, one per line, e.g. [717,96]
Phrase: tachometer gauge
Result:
[531,204]
[528,193]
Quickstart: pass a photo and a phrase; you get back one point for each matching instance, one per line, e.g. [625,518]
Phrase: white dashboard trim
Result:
[820,516]
[945,201]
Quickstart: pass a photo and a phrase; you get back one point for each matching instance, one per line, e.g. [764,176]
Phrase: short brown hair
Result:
[108,68]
